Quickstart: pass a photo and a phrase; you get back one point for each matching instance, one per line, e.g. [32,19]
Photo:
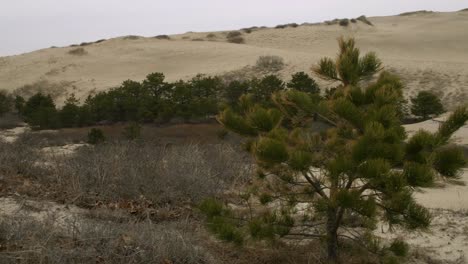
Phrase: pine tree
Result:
[426,104]
[301,81]
[361,167]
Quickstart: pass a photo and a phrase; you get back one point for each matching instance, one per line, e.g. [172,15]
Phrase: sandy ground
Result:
[429,50]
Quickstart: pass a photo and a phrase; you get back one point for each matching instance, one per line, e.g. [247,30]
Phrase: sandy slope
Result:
[429,49]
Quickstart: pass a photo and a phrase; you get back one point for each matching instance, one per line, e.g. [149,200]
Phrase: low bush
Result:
[353,20]
[96,136]
[162,37]
[99,41]
[419,12]
[85,241]
[131,37]
[426,104]
[233,34]
[364,20]
[236,40]
[198,39]
[166,176]
[211,35]
[270,63]
[132,131]
[85,44]
[78,52]
[344,22]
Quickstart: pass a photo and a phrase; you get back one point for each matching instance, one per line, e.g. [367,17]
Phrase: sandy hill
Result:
[429,50]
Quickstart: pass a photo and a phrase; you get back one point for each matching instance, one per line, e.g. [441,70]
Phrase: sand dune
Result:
[428,50]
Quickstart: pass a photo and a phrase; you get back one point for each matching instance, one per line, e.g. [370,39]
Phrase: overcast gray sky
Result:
[27,25]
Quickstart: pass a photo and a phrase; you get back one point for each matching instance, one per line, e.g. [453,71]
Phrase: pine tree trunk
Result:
[332,236]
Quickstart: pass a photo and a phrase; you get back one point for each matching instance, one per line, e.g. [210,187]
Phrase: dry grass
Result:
[25,240]
[269,63]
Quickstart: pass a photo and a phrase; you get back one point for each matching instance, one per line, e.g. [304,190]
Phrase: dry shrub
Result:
[364,20]
[419,12]
[78,52]
[43,86]
[198,39]
[270,63]
[25,240]
[236,40]
[166,37]
[20,157]
[235,37]
[131,37]
[164,175]
[211,35]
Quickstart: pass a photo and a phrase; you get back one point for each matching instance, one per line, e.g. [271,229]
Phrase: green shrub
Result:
[6,102]
[301,81]
[132,131]
[426,104]
[96,136]
[344,22]
[399,247]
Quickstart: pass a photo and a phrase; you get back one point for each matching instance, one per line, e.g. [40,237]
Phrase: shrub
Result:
[131,37]
[416,13]
[426,104]
[85,44]
[247,30]
[99,41]
[237,40]
[301,81]
[263,89]
[166,176]
[132,131]
[211,35]
[269,63]
[399,247]
[364,20]
[6,102]
[96,136]
[162,37]
[198,39]
[353,20]
[464,10]
[233,34]
[344,22]
[78,51]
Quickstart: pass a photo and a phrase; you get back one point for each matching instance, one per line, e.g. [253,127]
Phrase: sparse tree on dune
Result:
[361,168]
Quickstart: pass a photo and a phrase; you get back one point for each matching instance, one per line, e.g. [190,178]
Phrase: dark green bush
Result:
[96,136]
[426,104]
[301,81]
[399,247]
[132,131]
[6,102]
[344,22]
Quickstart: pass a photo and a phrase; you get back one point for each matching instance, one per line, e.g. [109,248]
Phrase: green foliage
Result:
[96,136]
[359,166]
[349,68]
[19,103]
[263,89]
[40,112]
[399,247]
[301,81]
[132,131]
[448,161]
[426,104]
[70,113]
[5,102]
[420,175]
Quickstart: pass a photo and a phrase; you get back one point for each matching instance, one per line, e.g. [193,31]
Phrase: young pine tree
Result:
[426,104]
[362,167]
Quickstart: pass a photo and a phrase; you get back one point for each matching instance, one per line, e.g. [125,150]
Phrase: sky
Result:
[27,25]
